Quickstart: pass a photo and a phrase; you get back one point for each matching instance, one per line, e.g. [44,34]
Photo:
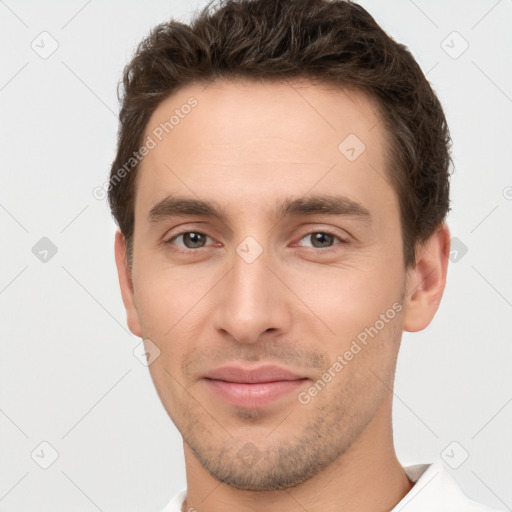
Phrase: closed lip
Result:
[261,374]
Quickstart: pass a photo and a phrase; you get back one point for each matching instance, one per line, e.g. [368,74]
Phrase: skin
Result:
[248,147]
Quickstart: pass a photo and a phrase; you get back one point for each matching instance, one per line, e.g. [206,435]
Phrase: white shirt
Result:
[435,490]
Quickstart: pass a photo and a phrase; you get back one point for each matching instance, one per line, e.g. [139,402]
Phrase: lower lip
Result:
[253,395]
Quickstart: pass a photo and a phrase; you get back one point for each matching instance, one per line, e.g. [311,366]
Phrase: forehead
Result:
[262,138]
[279,111]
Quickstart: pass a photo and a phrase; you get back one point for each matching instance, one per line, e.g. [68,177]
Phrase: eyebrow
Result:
[310,205]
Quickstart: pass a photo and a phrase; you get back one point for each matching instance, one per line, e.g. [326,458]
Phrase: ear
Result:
[426,281]
[126,284]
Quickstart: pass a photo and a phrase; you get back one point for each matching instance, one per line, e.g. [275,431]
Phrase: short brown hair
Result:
[332,41]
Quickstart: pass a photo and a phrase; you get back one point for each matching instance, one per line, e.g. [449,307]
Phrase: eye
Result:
[322,239]
[190,240]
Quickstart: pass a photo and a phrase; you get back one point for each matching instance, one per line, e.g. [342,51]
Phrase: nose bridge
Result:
[248,303]
[250,276]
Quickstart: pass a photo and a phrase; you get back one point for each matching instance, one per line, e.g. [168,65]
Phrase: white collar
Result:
[435,490]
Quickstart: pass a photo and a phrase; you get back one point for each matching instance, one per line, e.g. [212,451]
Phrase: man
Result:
[281,186]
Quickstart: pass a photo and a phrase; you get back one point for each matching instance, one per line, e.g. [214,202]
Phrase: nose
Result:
[251,301]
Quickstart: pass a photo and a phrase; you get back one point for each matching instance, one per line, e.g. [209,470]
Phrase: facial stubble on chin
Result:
[291,459]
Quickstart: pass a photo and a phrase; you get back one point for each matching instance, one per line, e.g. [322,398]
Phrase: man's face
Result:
[266,285]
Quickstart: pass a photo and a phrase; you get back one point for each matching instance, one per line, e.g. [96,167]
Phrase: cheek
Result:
[167,297]
[173,304]
[346,298]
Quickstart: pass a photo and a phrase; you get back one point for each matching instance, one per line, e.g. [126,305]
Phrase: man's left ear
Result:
[426,281]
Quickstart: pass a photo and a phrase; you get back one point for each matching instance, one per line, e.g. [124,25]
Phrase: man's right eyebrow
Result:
[181,206]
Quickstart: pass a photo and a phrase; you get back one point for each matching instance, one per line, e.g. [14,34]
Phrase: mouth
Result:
[252,387]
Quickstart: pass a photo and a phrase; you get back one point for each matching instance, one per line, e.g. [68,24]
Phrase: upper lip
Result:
[268,373]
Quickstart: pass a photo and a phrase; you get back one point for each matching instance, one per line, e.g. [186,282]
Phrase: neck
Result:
[367,477]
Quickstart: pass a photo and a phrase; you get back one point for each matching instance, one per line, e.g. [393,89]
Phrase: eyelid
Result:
[308,229]
[186,227]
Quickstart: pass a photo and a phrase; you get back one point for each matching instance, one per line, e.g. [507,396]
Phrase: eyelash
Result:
[322,249]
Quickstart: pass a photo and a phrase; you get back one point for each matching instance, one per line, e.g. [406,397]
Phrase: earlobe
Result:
[426,281]
[126,284]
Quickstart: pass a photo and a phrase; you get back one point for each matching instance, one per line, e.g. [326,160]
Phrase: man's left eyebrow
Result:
[323,205]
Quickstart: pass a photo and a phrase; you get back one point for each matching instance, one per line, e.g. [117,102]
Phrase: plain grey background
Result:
[68,374]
